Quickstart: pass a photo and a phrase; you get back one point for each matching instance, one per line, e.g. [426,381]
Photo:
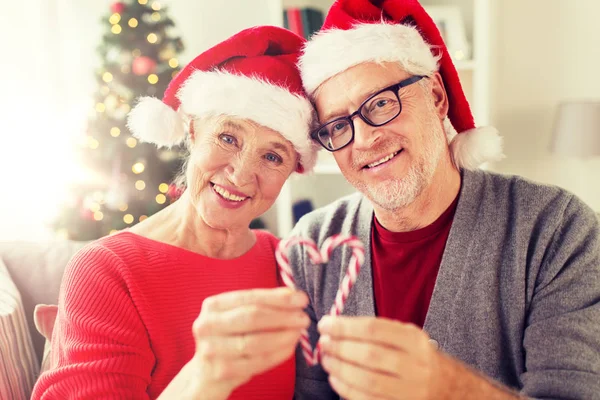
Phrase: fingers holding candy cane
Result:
[321,257]
[244,333]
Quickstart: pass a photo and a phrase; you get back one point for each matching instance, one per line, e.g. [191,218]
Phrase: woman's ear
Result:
[299,168]
[192,131]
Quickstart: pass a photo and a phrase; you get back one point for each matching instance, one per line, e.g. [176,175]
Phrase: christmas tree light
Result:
[139,58]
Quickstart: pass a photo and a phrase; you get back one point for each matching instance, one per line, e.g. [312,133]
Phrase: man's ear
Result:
[440,97]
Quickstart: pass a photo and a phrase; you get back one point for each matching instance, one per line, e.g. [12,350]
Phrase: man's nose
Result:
[365,136]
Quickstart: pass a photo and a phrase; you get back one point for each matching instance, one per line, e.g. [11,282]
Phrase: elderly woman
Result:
[186,304]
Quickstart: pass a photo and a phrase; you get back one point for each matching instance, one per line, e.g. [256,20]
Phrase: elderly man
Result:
[475,285]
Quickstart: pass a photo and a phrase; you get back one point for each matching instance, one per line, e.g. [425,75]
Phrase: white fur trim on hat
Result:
[474,147]
[153,121]
[333,51]
[221,93]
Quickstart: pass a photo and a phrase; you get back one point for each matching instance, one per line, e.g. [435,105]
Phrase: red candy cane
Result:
[321,257]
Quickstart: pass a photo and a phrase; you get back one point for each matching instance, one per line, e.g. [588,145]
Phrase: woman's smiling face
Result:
[236,170]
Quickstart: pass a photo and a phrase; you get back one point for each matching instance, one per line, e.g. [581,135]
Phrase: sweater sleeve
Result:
[100,346]
[562,338]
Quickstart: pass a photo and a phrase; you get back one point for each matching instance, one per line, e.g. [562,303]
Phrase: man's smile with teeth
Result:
[384,159]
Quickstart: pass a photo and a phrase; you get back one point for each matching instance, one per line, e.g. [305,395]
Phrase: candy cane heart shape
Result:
[321,256]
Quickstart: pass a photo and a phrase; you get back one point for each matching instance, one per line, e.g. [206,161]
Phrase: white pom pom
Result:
[153,121]
[470,149]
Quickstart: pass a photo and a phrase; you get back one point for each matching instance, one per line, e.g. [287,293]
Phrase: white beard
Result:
[396,193]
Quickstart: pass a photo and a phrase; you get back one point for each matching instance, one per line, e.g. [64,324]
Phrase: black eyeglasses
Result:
[377,110]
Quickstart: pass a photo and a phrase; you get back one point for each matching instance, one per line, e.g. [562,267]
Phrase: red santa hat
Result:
[359,31]
[252,75]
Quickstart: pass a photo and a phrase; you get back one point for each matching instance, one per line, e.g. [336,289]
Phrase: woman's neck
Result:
[180,225]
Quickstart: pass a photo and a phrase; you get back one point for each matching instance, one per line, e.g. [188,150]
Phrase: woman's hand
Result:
[239,335]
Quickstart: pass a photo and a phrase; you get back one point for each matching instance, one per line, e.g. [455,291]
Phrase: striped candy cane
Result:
[321,257]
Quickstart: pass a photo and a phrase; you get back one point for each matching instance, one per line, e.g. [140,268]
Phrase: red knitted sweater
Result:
[126,309]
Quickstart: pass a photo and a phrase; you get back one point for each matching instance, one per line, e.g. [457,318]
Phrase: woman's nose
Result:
[242,170]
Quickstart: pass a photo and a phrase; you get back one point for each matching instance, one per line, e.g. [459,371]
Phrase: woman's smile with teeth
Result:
[224,193]
[384,159]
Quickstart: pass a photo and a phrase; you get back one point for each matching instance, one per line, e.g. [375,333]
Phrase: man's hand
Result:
[375,358]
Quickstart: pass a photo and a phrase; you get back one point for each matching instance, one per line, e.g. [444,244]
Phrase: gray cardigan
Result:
[517,294]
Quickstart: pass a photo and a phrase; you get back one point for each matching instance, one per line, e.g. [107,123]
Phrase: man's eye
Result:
[381,103]
[339,126]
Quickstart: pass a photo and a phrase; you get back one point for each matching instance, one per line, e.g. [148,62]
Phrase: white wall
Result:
[204,23]
[547,51]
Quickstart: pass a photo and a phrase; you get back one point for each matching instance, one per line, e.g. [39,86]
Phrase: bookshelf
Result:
[326,184]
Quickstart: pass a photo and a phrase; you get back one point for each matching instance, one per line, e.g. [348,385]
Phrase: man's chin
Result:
[393,195]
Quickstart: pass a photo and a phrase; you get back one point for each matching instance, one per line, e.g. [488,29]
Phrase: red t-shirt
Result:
[126,309]
[405,267]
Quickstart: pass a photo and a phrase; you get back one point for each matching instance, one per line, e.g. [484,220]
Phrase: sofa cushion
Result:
[17,356]
[37,268]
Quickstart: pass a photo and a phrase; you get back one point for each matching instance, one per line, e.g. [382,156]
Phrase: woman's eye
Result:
[228,139]
[273,158]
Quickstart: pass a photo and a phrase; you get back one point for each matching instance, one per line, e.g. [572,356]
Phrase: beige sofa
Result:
[36,269]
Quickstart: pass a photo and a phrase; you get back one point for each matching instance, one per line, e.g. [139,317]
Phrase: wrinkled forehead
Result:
[252,131]
[344,93]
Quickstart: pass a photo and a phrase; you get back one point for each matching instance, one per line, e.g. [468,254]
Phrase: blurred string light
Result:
[107,77]
[138,168]
[143,217]
[152,38]
[100,107]
[115,131]
[123,207]
[98,215]
[161,198]
[128,218]
[173,63]
[131,142]
[152,79]
[155,6]
[113,231]
[105,90]
[140,185]
[133,23]
[116,29]
[163,188]
[94,207]
[143,2]
[174,74]
[115,18]
[155,16]
[136,53]
[93,143]
[125,69]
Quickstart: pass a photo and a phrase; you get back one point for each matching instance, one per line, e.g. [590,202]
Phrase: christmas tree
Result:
[131,180]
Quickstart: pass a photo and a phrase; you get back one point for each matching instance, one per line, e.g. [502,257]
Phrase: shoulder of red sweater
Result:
[266,239]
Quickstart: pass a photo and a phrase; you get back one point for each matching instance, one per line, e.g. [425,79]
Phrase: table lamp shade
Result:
[577,129]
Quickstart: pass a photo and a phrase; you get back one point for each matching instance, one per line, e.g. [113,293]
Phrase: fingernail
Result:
[300,299]
[325,324]
[325,340]
[302,317]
